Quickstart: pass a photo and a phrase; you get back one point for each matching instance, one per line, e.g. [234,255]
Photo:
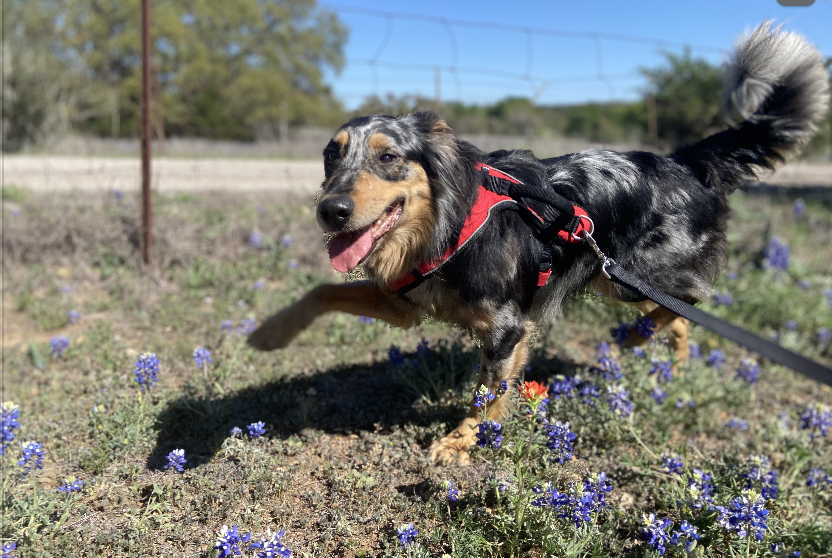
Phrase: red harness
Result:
[486,203]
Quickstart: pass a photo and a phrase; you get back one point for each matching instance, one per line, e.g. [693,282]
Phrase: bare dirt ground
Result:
[63,173]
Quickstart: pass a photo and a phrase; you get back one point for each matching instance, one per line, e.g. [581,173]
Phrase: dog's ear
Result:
[429,123]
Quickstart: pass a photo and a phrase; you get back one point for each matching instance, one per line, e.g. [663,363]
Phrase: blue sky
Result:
[494,63]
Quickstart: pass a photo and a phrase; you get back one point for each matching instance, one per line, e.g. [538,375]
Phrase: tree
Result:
[688,93]
[221,69]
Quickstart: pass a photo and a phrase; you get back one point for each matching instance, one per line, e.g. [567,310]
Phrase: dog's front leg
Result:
[504,355]
[361,298]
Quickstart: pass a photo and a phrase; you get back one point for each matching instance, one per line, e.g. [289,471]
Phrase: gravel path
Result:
[60,173]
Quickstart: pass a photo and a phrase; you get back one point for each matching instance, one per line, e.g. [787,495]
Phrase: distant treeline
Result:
[254,69]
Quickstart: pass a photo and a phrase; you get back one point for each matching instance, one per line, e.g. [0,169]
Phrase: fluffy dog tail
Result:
[776,95]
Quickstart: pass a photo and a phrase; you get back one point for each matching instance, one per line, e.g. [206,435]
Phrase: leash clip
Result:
[606,262]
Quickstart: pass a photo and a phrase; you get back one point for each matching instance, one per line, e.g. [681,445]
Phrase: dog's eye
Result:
[331,156]
[387,158]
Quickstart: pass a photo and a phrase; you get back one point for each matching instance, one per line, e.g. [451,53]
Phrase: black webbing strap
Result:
[757,344]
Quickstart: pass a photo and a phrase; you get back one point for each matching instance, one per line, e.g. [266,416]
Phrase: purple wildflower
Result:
[663,369]
[759,474]
[202,357]
[715,359]
[407,535]
[256,429]
[645,327]
[235,432]
[255,239]
[672,463]
[229,541]
[175,459]
[259,285]
[804,284]
[659,395]
[639,352]
[58,345]
[286,241]
[700,490]
[791,325]
[147,368]
[247,327]
[226,326]
[71,485]
[694,351]
[489,434]
[655,532]
[8,425]
[776,254]
[72,317]
[395,355]
[748,370]
[482,396]
[686,533]
[799,209]
[817,418]
[621,333]
[818,477]
[271,546]
[31,456]
[293,264]
[737,424]
[560,440]
[823,336]
[619,402]
[723,299]
[745,515]
[366,320]
[453,493]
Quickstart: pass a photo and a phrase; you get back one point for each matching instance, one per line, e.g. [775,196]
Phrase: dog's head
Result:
[391,190]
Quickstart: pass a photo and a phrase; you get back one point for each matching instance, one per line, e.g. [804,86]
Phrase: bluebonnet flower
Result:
[202,357]
[453,493]
[482,396]
[292,264]
[271,546]
[407,535]
[58,345]
[229,541]
[686,533]
[423,348]
[256,429]
[551,497]
[748,370]
[15,213]
[503,387]
[663,369]
[489,434]
[817,418]
[591,498]
[791,325]
[226,326]
[118,194]
[621,333]
[562,387]
[609,367]
[560,440]
[732,275]
[587,392]
[147,368]
[504,485]
[745,515]
[715,359]
[818,477]
[672,463]
[659,395]
[7,550]
[828,294]
[739,424]
[66,289]
[175,459]
[255,239]
[686,401]
[760,474]
[8,423]
[73,316]
[823,336]
[31,456]
[259,285]
[71,485]
[694,351]
[619,402]
[645,327]
[780,549]
[235,431]
[804,284]
[723,299]
[776,254]
[700,490]
[286,241]
[654,531]
[366,320]
[247,327]
[639,352]
[395,355]
[799,209]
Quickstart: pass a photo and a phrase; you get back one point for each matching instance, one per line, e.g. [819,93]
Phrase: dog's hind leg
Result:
[361,298]
[503,357]
[676,326]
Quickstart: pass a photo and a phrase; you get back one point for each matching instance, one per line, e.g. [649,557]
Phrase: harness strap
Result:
[503,191]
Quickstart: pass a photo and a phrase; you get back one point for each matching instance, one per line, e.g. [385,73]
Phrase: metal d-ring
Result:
[605,261]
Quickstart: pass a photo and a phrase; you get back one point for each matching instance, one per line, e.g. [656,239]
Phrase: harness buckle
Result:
[605,261]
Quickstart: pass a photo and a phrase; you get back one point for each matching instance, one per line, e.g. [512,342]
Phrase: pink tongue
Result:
[348,249]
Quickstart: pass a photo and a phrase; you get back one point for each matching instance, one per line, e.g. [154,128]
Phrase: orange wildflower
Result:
[533,391]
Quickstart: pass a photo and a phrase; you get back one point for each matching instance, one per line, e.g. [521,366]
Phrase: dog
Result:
[399,192]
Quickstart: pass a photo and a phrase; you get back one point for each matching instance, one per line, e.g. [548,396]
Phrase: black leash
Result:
[745,338]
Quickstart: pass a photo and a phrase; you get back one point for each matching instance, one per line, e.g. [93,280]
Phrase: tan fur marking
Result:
[401,249]
[379,142]
[342,138]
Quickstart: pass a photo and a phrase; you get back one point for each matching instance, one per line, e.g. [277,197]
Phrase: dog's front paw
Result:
[276,332]
[453,448]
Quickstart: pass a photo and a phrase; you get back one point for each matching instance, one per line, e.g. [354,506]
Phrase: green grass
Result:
[343,463]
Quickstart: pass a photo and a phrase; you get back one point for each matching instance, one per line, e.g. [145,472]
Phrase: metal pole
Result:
[146,136]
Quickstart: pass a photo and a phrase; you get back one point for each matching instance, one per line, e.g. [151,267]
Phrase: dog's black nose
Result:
[336,211]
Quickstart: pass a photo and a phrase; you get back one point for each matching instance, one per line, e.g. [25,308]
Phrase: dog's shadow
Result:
[342,400]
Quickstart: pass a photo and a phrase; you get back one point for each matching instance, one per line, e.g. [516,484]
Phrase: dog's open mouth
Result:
[348,249]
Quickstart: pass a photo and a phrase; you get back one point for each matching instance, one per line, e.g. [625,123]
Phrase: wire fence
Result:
[532,81]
